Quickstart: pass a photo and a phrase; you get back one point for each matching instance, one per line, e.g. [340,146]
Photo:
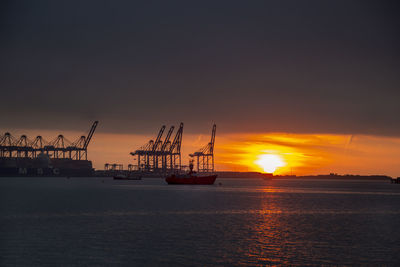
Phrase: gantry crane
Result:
[158,155]
[205,156]
[146,154]
[175,150]
[87,140]
[154,155]
[59,147]
[165,149]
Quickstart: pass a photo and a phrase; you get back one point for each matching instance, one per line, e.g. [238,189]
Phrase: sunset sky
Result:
[315,84]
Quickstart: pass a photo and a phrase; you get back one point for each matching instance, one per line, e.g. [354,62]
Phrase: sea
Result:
[235,222]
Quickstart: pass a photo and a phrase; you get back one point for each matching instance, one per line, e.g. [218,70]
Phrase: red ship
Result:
[191,178]
[203,177]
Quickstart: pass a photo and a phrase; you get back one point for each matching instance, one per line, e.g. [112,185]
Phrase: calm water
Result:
[97,221]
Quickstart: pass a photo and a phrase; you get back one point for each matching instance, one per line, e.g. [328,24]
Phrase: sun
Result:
[270,162]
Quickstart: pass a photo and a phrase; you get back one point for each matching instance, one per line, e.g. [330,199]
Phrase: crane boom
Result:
[90,135]
[160,133]
[177,140]
[167,138]
[214,129]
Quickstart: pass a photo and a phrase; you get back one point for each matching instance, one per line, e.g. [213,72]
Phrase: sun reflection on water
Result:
[267,231]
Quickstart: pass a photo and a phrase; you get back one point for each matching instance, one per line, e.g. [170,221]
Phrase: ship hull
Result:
[45,172]
[26,167]
[198,180]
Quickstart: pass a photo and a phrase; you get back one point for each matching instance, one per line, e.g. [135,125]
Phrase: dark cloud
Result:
[250,66]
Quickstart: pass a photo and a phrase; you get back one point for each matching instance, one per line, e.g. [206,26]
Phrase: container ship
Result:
[44,166]
[23,157]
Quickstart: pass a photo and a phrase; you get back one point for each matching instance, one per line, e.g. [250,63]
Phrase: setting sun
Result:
[270,162]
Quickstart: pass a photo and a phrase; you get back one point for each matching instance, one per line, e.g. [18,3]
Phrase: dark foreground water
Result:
[101,222]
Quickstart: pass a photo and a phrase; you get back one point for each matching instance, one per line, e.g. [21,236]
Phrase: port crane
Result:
[146,154]
[87,140]
[158,155]
[165,148]
[38,146]
[205,156]
[60,147]
[154,155]
[175,149]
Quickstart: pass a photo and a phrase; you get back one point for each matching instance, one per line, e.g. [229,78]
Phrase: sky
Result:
[326,69]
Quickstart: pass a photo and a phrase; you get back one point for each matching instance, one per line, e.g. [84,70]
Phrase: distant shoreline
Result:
[317,177]
[239,175]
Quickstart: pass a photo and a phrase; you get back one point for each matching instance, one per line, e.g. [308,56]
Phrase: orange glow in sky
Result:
[280,153]
[312,154]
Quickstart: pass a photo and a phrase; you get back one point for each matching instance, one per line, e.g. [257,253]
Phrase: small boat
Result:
[124,177]
[191,178]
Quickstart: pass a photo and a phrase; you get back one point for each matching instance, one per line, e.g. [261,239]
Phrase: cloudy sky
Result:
[250,66]
[253,67]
